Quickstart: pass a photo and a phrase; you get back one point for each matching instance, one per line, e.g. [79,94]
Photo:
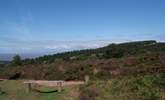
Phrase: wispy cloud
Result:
[33,46]
[42,46]
[15,45]
[76,44]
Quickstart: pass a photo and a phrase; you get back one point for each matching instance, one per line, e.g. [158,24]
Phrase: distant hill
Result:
[4,62]
[6,57]
[9,57]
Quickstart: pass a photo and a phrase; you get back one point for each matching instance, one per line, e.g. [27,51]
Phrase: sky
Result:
[48,26]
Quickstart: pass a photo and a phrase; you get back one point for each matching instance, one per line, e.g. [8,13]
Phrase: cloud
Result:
[76,44]
[160,37]
[17,45]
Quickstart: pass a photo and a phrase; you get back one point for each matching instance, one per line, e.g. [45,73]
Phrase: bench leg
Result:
[29,87]
[59,89]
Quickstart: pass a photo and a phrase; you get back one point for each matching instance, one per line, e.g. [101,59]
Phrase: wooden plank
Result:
[3,79]
[46,83]
[54,83]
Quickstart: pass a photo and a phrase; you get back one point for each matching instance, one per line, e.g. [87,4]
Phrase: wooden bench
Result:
[58,84]
[3,79]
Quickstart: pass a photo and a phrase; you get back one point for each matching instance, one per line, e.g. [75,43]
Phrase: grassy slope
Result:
[148,87]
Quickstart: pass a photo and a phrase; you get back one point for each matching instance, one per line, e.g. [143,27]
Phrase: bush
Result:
[89,93]
[16,60]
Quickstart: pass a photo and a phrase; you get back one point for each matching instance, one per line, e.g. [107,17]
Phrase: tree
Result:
[16,60]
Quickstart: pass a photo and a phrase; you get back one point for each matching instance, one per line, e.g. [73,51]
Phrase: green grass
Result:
[17,90]
[147,87]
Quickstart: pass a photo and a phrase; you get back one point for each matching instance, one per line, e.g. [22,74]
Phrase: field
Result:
[146,87]
[17,90]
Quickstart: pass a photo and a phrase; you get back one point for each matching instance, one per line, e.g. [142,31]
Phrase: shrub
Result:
[16,60]
[89,93]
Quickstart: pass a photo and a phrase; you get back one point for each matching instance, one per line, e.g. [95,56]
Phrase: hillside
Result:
[126,71]
[143,57]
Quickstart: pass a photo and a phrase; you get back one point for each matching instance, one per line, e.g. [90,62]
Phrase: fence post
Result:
[86,79]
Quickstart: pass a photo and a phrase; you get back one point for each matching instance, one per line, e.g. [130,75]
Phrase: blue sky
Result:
[30,26]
